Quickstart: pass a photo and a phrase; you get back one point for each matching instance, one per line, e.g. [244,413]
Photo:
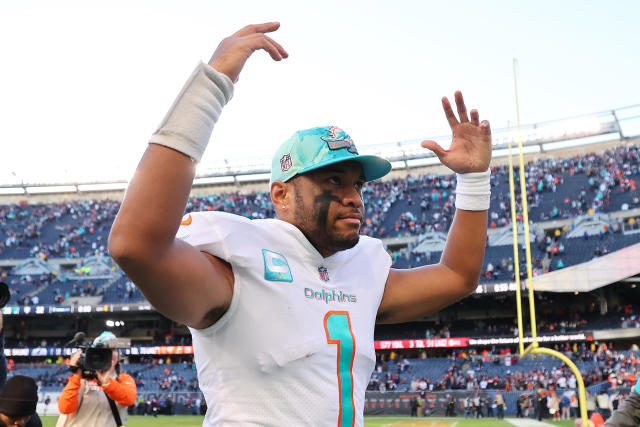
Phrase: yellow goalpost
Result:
[534,347]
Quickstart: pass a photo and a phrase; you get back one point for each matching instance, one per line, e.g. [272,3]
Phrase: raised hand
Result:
[232,52]
[470,149]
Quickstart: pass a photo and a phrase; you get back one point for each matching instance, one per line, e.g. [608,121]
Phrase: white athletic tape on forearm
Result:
[188,125]
[473,191]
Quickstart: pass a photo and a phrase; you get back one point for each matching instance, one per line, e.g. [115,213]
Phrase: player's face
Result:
[328,206]
[10,421]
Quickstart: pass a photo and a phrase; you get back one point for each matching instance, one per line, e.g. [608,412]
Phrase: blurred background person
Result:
[18,394]
[18,401]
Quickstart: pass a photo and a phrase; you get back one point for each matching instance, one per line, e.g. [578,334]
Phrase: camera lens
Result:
[99,358]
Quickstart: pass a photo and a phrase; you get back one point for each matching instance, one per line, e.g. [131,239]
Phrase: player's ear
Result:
[279,194]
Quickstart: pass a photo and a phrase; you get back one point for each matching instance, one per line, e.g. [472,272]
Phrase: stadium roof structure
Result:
[538,137]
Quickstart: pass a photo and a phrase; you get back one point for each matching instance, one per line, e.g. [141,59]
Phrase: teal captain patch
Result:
[276,267]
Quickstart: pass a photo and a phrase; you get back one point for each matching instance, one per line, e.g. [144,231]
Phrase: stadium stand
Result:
[411,206]
[493,370]
[582,207]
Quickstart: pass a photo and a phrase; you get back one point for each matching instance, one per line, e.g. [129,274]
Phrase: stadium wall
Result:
[435,402]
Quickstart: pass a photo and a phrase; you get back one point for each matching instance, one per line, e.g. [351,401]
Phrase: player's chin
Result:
[344,241]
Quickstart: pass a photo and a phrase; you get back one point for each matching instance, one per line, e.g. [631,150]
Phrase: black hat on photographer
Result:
[19,396]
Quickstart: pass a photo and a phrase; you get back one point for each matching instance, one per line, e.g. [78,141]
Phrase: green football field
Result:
[195,421]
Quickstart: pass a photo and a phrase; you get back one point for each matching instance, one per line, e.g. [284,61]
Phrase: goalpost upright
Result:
[534,347]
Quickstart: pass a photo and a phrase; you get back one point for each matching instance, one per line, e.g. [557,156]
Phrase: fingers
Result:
[475,117]
[283,53]
[448,112]
[232,53]
[261,41]
[462,109]
[485,126]
[267,27]
[435,147]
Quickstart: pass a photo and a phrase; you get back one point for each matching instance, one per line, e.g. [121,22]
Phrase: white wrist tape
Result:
[188,125]
[473,191]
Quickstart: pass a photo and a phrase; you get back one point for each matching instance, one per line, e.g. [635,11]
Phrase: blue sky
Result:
[84,84]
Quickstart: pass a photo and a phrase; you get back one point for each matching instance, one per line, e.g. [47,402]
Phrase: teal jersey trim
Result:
[338,329]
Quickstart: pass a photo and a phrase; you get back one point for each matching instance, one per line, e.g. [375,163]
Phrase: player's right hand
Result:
[233,52]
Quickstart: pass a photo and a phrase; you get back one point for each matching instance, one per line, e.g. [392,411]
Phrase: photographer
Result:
[96,398]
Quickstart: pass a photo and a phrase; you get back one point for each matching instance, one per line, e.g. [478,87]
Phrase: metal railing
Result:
[620,123]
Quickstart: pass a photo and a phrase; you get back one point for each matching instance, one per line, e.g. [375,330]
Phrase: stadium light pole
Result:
[534,347]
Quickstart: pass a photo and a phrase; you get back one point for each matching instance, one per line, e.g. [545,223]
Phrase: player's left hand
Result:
[470,149]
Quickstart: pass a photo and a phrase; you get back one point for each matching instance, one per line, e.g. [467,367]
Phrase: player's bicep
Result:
[186,285]
[413,294]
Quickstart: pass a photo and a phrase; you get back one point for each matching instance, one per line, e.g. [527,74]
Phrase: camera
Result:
[95,357]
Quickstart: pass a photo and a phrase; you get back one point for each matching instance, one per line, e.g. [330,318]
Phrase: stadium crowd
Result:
[69,230]
[423,203]
[471,369]
[407,206]
[500,369]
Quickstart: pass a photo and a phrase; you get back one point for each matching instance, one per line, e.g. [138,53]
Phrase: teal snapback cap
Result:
[103,339]
[315,148]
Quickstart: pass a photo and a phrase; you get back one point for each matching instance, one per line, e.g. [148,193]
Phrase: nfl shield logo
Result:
[324,274]
[285,162]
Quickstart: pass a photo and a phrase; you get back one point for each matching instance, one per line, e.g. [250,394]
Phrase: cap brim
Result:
[373,167]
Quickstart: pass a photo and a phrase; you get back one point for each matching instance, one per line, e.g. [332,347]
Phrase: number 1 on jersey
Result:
[337,325]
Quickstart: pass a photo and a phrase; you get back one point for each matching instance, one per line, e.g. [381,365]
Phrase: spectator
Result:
[565,406]
[500,405]
[18,394]
[18,400]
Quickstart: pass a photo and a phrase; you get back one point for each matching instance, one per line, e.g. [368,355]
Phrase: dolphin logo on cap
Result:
[338,139]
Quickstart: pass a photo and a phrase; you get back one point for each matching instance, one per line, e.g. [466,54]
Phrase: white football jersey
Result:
[295,347]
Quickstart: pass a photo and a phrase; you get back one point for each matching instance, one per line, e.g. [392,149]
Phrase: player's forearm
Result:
[157,195]
[153,206]
[413,294]
[466,242]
